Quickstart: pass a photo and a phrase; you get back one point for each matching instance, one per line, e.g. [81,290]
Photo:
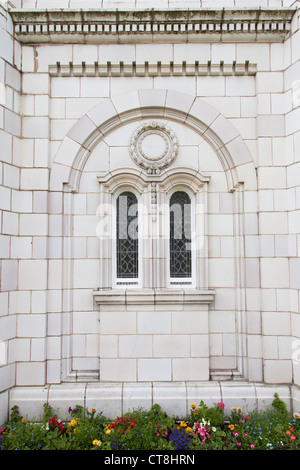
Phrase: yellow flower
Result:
[97,443]
[108,431]
[189,429]
[24,421]
[73,422]
[193,405]
[183,424]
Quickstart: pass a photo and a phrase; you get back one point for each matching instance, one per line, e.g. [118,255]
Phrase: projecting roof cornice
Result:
[118,26]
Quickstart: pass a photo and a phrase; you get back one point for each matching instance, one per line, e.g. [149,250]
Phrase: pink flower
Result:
[238,443]
[236,434]
[245,434]
[252,446]
[221,405]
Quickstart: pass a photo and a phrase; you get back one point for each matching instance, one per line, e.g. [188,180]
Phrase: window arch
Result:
[127,243]
[180,249]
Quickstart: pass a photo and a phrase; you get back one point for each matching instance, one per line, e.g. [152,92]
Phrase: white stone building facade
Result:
[195,101]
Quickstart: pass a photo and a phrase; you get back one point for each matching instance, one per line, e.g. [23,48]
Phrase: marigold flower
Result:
[24,421]
[94,410]
[97,443]
[193,405]
[231,427]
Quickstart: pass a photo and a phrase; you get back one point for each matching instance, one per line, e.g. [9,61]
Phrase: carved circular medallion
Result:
[153,146]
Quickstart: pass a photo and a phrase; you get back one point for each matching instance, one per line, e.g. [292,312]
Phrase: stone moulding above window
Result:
[120,26]
[147,69]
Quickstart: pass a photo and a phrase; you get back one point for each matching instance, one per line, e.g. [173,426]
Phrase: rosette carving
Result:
[153,146]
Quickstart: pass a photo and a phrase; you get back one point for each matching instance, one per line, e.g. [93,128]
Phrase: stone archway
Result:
[152,104]
[188,111]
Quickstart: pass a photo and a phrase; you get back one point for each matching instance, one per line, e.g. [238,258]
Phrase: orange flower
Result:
[231,427]
[288,433]
[193,405]
[293,438]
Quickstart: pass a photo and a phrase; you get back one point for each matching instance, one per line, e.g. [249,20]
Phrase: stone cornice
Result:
[117,26]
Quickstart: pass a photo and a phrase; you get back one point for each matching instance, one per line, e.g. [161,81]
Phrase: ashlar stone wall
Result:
[68,112]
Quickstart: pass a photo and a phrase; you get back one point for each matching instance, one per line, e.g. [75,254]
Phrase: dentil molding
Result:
[151,25]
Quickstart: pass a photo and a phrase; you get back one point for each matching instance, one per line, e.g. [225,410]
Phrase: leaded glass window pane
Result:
[180,236]
[127,236]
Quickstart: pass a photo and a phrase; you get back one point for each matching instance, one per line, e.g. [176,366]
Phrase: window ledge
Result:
[153,296]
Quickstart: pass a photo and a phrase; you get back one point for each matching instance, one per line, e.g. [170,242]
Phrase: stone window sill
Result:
[153,296]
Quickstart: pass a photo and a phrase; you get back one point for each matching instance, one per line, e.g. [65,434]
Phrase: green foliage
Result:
[214,414]
[205,428]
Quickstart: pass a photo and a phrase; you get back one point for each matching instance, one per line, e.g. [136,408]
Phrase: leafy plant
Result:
[205,428]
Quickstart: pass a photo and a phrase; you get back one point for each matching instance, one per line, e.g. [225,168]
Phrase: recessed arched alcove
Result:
[222,268]
[152,104]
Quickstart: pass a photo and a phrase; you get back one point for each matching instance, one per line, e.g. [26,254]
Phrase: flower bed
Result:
[205,428]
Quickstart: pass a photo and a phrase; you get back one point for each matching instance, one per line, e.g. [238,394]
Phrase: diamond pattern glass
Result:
[180,236]
[127,236]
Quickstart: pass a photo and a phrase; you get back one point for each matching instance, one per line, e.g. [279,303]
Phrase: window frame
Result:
[188,282]
[117,281]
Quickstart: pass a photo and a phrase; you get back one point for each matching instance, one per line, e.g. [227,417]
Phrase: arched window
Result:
[127,236]
[180,236]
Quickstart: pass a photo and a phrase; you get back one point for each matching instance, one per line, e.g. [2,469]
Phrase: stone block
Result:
[211,86]
[118,323]
[30,373]
[30,401]
[63,396]
[137,395]
[65,87]
[35,127]
[171,345]
[136,346]
[171,397]
[193,322]
[154,322]
[118,370]
[190,369]
[274,273]
[35,83]
[32,274]
[278,371]
[156,369]
[270,126]
[105,397]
